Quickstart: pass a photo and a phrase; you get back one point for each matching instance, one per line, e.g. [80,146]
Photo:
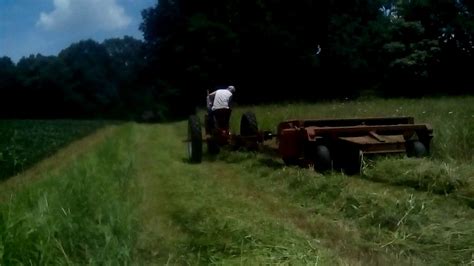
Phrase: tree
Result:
[357,32]
[42,81]
[262,47]
[91,90]
[451,23]
[412,60]
[127,56]
[8,86]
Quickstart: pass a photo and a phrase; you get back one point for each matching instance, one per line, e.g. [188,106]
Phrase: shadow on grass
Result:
[271,163]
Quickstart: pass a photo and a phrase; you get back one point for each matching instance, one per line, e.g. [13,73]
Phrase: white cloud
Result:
[84,16]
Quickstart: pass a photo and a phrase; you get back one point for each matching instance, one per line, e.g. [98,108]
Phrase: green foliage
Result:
[267,49]
[409,44]
[25,142]
[411,59]
[86,80]
[395,48]
[7,74]
[82,215]
[89,63]
[209,43]
[249,208]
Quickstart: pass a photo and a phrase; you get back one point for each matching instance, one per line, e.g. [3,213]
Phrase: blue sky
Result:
[48,26]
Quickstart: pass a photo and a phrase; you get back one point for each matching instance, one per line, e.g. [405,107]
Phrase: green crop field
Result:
[127,195]
[24,142]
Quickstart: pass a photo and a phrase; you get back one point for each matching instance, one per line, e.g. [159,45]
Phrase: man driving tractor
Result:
[219,105]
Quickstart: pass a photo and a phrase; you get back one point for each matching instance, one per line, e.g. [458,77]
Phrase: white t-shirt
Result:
[222,99]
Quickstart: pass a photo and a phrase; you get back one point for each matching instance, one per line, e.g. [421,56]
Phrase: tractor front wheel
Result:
[194,140]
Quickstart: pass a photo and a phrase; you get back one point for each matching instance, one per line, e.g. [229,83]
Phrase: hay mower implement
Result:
[324,144]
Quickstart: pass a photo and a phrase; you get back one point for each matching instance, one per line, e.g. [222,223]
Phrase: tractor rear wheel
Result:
[194,140]
[248,125]
[322,159]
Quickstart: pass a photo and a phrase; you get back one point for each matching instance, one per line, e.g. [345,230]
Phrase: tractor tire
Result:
[322,159]
[248,125]
[352,164]
[416,149]
[194,140]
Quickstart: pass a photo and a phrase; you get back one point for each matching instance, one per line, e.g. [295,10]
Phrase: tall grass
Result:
[366,222]
[450,168]
[249,208]
[452,118]
[83,215]
[400,210]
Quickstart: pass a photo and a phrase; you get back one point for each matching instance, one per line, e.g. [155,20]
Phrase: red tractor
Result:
[218,134]
[324,144]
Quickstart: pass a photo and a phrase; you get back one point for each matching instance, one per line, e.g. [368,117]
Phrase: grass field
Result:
[127,194]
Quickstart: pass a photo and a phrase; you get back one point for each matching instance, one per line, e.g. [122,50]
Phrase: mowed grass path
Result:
[245,208]
[206,213]
[127,195]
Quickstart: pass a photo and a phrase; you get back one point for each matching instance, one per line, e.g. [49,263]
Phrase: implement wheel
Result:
[416,149]
[194,140]
[248,125]
[322,159]
[353,162]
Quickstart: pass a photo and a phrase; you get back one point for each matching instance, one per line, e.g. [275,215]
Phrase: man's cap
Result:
[231,88]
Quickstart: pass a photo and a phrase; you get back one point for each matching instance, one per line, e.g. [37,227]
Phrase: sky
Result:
[48,26]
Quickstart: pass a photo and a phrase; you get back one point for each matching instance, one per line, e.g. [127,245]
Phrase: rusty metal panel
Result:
[384,148]
[291,145]
[293,124]
[381,144]
[367,140]
[360,121]
[351,130]
[370,135]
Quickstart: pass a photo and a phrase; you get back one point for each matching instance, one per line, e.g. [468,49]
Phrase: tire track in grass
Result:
[333,234]
[351,216]
[227,181]
[189,216]
[158,234]
[242,212]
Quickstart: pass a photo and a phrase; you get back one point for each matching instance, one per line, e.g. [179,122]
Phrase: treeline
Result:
[87,79]
[271,50]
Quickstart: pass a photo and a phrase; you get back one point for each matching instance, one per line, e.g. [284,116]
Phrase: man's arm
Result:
[210,100]
[231,102]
